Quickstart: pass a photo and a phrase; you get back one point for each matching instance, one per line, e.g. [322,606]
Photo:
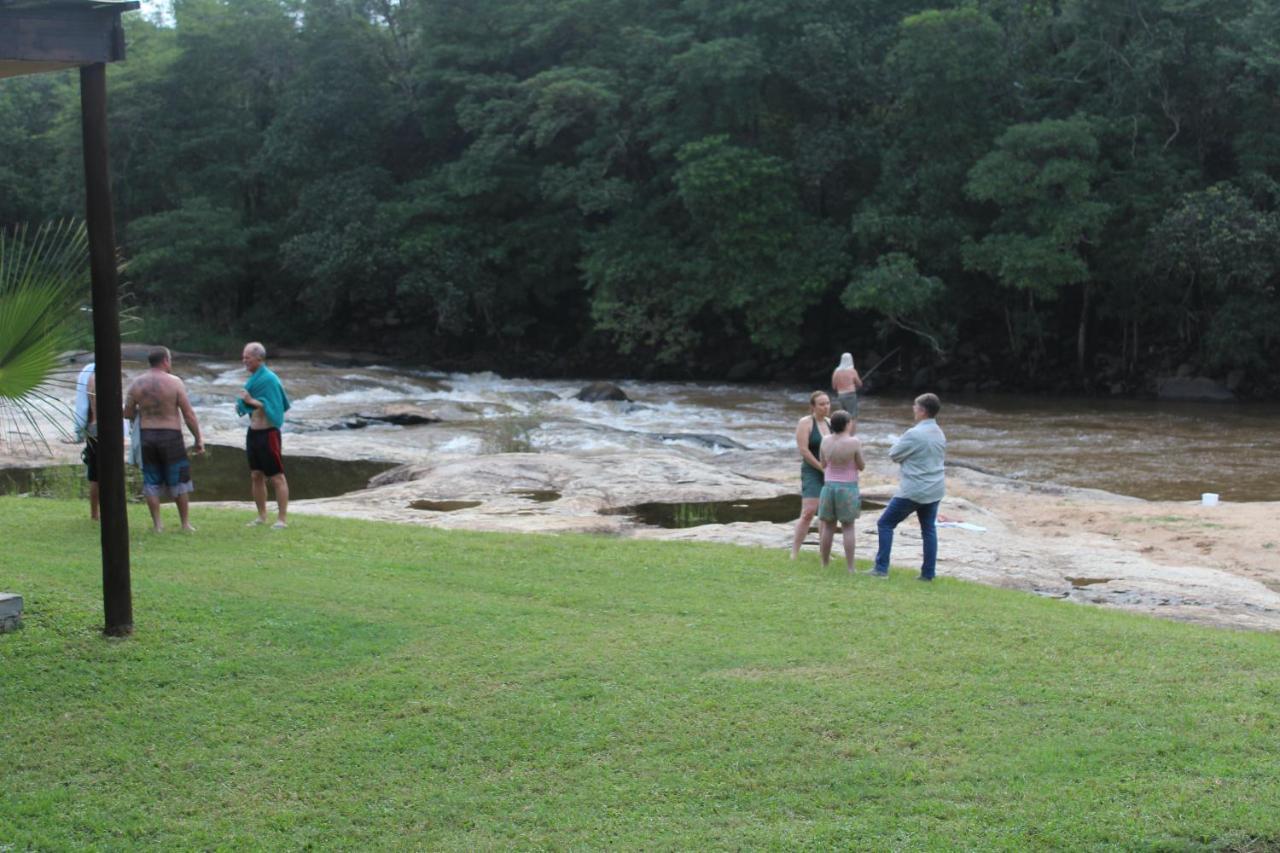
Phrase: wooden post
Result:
[117,597]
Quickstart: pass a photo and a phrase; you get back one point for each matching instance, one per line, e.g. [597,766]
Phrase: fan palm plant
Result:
[44,281]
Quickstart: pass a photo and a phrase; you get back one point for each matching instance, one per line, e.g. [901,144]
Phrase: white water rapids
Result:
[1154,451]
[1143,449]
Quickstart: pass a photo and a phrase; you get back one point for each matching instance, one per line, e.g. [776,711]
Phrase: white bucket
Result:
[1209,499]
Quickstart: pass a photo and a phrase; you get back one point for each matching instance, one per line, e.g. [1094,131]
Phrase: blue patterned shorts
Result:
[840,502]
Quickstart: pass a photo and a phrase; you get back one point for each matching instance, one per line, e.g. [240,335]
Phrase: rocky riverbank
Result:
[1179,560]
[480,452]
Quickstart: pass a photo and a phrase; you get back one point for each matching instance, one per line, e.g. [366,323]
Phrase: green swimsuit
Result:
[810,477]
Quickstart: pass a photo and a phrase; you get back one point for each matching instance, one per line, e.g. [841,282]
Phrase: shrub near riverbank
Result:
[353,684]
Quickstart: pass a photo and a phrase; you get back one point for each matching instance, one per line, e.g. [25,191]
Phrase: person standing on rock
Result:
[922,452]
[810,431]
[845,381]
[264,400]
[160,401]
[841,454]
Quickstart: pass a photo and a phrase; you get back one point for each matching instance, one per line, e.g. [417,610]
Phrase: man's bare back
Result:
[845,380]
[160,400]
[841,449]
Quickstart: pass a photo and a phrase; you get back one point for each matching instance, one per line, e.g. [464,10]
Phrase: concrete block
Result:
[10,611]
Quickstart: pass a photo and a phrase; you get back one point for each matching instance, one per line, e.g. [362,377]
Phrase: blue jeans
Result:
[895,512]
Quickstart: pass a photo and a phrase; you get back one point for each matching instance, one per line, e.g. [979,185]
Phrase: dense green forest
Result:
[1052,194]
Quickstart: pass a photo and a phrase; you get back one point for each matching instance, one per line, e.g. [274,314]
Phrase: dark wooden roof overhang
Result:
[43,36]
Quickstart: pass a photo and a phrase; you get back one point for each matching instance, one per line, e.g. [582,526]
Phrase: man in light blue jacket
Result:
[922,453]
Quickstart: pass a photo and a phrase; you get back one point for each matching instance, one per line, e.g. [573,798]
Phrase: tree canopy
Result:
[1082,187]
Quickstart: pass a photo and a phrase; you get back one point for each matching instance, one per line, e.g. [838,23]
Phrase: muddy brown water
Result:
[538,496]
[222,474]
[443,506]
[1156,451]
[1147,449]
[779,510]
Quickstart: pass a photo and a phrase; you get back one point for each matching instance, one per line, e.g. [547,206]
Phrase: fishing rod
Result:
[880,362]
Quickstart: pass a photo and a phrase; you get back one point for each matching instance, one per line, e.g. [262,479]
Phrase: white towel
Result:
[135,442]
[82,399]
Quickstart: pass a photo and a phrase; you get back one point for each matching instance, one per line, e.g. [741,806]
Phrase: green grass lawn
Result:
[360,685]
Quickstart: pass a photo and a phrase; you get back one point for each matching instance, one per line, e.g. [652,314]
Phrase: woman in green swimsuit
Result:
[810,431]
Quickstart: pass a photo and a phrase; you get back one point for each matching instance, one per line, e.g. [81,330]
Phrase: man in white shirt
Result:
[86,420]
[922,452]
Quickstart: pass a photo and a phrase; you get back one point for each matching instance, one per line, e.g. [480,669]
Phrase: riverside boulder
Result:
[598,392]
[1193,388]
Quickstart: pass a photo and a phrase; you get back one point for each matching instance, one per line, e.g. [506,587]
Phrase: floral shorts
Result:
[840,502]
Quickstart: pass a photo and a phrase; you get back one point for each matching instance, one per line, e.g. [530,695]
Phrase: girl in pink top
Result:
[840,501]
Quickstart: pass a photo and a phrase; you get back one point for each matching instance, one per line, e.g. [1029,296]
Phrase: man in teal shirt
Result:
[922,453]
[264,400]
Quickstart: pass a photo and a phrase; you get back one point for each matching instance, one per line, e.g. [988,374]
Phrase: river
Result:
[1145,449]
[1150,450]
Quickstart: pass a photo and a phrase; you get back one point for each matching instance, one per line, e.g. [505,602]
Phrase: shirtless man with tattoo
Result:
[160,399]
